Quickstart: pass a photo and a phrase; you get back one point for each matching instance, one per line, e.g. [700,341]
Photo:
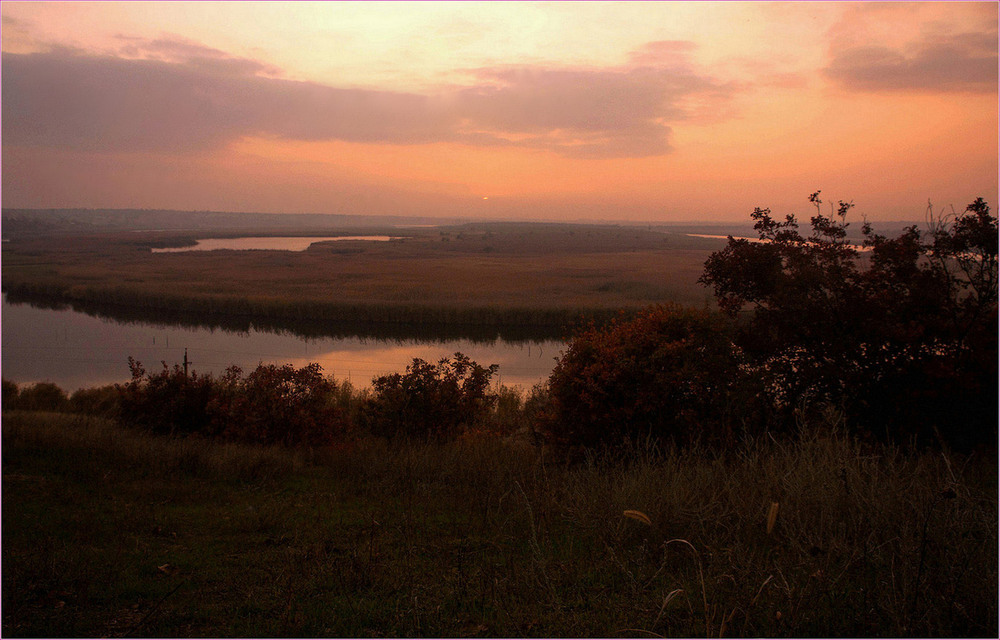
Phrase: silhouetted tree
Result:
[10,393]
[902,336]
[41,396]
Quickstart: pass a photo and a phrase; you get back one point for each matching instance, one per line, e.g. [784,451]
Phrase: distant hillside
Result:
[34,222]
[18,223]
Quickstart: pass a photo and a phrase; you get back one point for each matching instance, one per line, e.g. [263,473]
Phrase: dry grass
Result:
[529,268]
[485,537]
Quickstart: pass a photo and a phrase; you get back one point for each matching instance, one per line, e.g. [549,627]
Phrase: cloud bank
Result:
[181,96]
[942,64]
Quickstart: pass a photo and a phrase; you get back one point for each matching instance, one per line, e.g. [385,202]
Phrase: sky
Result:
[638,111]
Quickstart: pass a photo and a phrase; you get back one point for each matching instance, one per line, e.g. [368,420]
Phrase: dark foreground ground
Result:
[110,533]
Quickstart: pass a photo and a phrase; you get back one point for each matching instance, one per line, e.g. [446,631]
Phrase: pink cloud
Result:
[180,96]
[942,64]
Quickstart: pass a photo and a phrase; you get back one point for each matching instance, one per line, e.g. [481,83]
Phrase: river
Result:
[75,350]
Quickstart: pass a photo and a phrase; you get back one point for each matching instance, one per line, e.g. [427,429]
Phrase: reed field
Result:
[498,275]
[110,532]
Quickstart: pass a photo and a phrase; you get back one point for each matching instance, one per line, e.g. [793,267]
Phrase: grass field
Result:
[110,532]
[486,274]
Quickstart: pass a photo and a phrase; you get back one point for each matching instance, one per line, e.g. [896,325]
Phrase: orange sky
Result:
[667,111]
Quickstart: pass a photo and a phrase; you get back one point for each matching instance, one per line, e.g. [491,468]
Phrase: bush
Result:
[10,393]
[278,405]
[42,396]
[271,405]
[100,401]
[170,402]
[669,373]
[430,402]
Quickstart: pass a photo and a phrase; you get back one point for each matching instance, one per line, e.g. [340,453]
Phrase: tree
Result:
[902,335]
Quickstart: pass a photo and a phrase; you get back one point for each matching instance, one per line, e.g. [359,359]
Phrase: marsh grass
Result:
[114,533]
[538,277]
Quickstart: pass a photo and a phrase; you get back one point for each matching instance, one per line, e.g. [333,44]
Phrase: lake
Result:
[75,350]
[290,243]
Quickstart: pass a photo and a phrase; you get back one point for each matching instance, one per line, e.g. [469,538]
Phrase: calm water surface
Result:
[75,350]
[292,243]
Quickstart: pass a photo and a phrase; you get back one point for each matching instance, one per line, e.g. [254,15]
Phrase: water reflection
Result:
[76,350]
[276,243]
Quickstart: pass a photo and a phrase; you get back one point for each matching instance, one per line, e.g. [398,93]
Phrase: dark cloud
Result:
[175,95]
[957,63]
[114,104]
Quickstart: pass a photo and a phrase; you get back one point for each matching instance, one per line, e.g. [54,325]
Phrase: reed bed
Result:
[512,277]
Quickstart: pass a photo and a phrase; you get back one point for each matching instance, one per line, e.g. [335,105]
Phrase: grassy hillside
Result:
[109,532]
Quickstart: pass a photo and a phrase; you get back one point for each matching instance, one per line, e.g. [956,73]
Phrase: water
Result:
[290,243]
[857,247]
[75,350]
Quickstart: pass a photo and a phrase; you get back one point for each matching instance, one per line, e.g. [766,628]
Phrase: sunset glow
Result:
[630,111]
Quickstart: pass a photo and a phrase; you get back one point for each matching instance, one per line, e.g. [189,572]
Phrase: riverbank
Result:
[313,318]
[109,532]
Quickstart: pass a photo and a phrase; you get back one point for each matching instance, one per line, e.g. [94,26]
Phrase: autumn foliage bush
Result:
[669,373]
[430,401]
[170,402]
[41,396]
[277,405]
[287,406]
[272,404]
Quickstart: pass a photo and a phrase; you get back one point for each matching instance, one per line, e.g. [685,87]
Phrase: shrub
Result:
[170,402]
[100,401]
[41,396]
[669,373]
[279,405]
[10,393]
[271,405]
[430,401]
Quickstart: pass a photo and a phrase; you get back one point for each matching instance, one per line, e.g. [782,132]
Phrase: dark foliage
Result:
[41,396]
[170,402]
[902,337]
[670,373]
[281,405]
[430,401]
[10,393]
[46,396]
[99,401]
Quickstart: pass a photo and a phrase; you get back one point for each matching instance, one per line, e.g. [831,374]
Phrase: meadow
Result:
[111,532]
